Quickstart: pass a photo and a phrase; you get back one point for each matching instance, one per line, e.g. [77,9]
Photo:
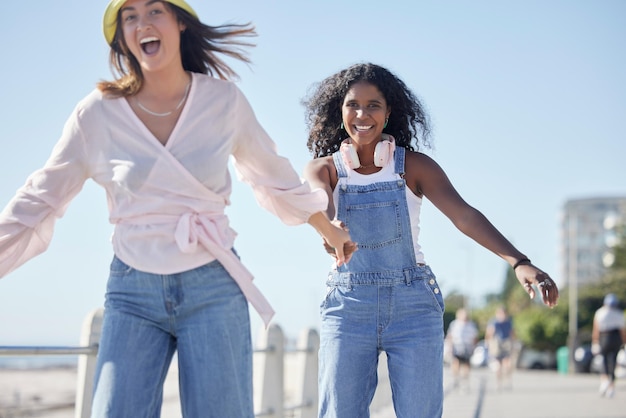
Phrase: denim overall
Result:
[381,301]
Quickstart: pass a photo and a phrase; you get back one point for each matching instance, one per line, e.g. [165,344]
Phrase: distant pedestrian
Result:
[462,335]
[500,336]
[608,335]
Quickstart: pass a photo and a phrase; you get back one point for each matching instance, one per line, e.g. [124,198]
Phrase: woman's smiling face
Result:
[364,112]
[151,32]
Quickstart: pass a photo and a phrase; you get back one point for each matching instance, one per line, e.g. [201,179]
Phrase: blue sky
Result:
[527,100]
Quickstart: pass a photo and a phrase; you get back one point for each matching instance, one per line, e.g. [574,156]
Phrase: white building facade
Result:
[589,231]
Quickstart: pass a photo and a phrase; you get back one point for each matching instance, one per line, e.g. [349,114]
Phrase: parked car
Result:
[586,362]
[583,359]
[536,359]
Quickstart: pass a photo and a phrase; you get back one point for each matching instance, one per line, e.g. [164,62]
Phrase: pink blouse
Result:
[166,202]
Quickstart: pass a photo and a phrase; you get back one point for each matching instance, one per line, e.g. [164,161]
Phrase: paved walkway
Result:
[534,394]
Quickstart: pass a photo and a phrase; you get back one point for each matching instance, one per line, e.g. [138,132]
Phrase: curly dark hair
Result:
[408,122]
[200,45]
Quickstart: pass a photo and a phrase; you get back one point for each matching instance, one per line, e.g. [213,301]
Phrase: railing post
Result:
[306,370]
[268,378]
[90,336]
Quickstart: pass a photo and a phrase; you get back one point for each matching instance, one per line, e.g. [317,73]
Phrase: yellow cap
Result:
[109,23]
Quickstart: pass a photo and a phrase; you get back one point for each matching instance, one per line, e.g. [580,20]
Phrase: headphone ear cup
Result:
[382,153]
[350,156]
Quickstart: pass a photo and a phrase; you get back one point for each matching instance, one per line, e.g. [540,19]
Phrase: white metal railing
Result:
[271,360]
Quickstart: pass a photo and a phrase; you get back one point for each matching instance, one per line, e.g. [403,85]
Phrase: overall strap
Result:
[399,161]
[339,165]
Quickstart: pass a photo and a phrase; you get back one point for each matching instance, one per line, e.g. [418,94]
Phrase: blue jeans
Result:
[201,314]
[402,317]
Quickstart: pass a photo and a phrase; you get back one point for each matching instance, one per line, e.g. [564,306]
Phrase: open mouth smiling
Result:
[150,45]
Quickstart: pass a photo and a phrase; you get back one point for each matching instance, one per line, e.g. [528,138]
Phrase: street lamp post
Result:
[572,273]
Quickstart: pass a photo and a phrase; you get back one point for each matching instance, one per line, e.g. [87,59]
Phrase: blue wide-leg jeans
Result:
[202,315]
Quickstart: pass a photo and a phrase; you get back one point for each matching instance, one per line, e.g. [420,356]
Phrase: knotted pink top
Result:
[167,202]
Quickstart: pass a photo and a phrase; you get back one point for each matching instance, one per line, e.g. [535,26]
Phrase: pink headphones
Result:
[383,152]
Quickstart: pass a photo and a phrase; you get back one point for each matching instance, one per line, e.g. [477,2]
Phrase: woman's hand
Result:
[529,276]
[348,247]
[335,236]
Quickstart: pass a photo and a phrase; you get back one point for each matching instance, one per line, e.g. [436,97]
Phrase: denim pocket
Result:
[363,219]
[325,302]
[119,268]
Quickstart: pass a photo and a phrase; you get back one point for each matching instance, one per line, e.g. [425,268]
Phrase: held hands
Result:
[334,235]
[529,276]
[344,250]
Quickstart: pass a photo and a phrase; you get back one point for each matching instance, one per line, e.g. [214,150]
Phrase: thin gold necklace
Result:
[161,115]
[368,165]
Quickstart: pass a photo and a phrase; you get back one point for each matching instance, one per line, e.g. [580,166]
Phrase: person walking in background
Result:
[365,129]
[462,335]
[499,337]
[158,139]
[607,337]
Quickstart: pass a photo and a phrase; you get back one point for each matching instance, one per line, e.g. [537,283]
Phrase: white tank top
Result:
[414,203]
[609,319]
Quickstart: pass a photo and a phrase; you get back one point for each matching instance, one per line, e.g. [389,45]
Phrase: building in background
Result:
[589,231]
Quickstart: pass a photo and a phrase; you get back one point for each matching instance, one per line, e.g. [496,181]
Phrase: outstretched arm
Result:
[427,178]
[320,173]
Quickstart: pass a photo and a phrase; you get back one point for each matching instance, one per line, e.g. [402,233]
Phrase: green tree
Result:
[453,302]
[619,251]
[510,286]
